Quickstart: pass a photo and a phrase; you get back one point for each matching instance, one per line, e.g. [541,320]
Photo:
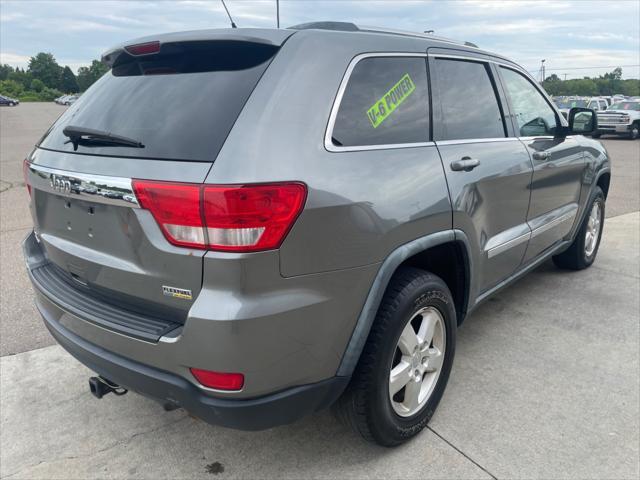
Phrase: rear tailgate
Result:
[179,105]
[90,226]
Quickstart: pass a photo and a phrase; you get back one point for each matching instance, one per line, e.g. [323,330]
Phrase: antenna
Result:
[233,25]
[278,13]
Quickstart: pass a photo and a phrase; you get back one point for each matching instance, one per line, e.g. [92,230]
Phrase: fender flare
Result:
[379,285]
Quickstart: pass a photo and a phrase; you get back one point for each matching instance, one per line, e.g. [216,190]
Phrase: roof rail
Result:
[339,26]
[352,27]
[407,33]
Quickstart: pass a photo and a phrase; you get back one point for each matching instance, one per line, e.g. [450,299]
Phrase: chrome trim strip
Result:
[503,247]
[476,140]
[541,137]
[473,59]
[94,188]
[355,148]
[570,215]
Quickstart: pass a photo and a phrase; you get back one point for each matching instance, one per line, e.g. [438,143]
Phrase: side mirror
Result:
[582,121]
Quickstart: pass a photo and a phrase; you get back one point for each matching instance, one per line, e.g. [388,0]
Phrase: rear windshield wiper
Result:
[89,136]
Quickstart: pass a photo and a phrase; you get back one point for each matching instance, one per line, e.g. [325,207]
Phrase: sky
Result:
[576,37]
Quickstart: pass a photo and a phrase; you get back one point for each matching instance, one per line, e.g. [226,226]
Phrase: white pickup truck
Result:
[621,118]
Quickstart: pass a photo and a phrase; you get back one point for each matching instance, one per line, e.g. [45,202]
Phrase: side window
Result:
[534,115]
[468,101]
[386,102]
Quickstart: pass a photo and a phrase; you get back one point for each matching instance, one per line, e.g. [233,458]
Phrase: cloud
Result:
[524,30]
[14,59]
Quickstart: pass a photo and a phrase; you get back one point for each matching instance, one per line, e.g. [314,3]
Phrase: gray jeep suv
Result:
[257,224]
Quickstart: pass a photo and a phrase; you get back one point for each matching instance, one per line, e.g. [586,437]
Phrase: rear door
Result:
[488,172]
[558,163]
[179,104]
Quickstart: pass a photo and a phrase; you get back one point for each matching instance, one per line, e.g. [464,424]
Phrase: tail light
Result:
[236,218]
[143,48]
[219,380]
[25,172]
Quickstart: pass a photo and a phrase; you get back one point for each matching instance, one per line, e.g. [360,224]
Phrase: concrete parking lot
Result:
[546,381]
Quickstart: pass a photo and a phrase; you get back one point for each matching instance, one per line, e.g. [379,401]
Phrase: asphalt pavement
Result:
[546,381]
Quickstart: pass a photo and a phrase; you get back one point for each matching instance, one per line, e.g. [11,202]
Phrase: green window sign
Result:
[391,100]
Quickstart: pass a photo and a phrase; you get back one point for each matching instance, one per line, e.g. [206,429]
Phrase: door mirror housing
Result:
[582,121]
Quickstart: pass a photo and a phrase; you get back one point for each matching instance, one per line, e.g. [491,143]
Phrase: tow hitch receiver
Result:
[100,386]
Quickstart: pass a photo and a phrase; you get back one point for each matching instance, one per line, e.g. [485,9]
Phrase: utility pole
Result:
[278,13]
[542,75]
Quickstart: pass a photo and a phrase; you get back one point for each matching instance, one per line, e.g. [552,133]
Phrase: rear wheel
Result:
[406,362]
[584,248]
[595,135]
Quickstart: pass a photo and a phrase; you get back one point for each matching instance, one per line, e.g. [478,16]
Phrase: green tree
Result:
[69,82]
[553,85]
[88,75]
[11,88]
[45,68]
[22,77]
[37,85]
[5,70]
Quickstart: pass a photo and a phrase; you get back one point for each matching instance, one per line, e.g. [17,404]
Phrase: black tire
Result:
[366,406]
[11,104]
[634,133]
[596,135]
[576,256]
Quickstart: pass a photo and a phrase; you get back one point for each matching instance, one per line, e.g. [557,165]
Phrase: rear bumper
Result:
[252,414]
[161,369]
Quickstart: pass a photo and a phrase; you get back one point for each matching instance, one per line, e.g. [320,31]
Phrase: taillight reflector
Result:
[238,218]
[218,380]
[143,48]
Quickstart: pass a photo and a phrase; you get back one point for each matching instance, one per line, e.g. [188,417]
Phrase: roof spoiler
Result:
[252,35]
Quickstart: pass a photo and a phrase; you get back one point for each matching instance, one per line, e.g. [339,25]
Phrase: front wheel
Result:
[634,133]
[406,362]
[584,248]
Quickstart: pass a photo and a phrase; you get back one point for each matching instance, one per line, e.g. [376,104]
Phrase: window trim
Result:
[559,118]
[330,147]
[495,86]
[328,143]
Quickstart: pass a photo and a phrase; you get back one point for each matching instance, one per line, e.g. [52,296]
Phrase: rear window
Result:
[180,104]
[386,102]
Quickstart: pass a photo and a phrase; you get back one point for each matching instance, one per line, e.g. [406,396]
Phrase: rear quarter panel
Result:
[361,205]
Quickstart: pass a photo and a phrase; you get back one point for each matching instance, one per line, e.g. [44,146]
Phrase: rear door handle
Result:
[465,164]
[541,155]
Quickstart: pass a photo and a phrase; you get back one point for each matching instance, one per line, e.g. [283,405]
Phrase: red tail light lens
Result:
[176,208]
[250,218]
[143,48]
[219,380]
[237,218]
[25,172]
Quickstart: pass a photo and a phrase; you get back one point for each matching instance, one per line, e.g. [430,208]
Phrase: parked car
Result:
[593,103]
[622,118]
[337,243]
[70,99]
[60,99]
[8,101]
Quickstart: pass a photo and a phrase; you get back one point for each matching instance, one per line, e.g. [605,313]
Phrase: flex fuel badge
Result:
[176,292]
[391,100]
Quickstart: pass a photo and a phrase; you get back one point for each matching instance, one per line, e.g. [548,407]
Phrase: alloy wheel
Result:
[417,361]
[594,224]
